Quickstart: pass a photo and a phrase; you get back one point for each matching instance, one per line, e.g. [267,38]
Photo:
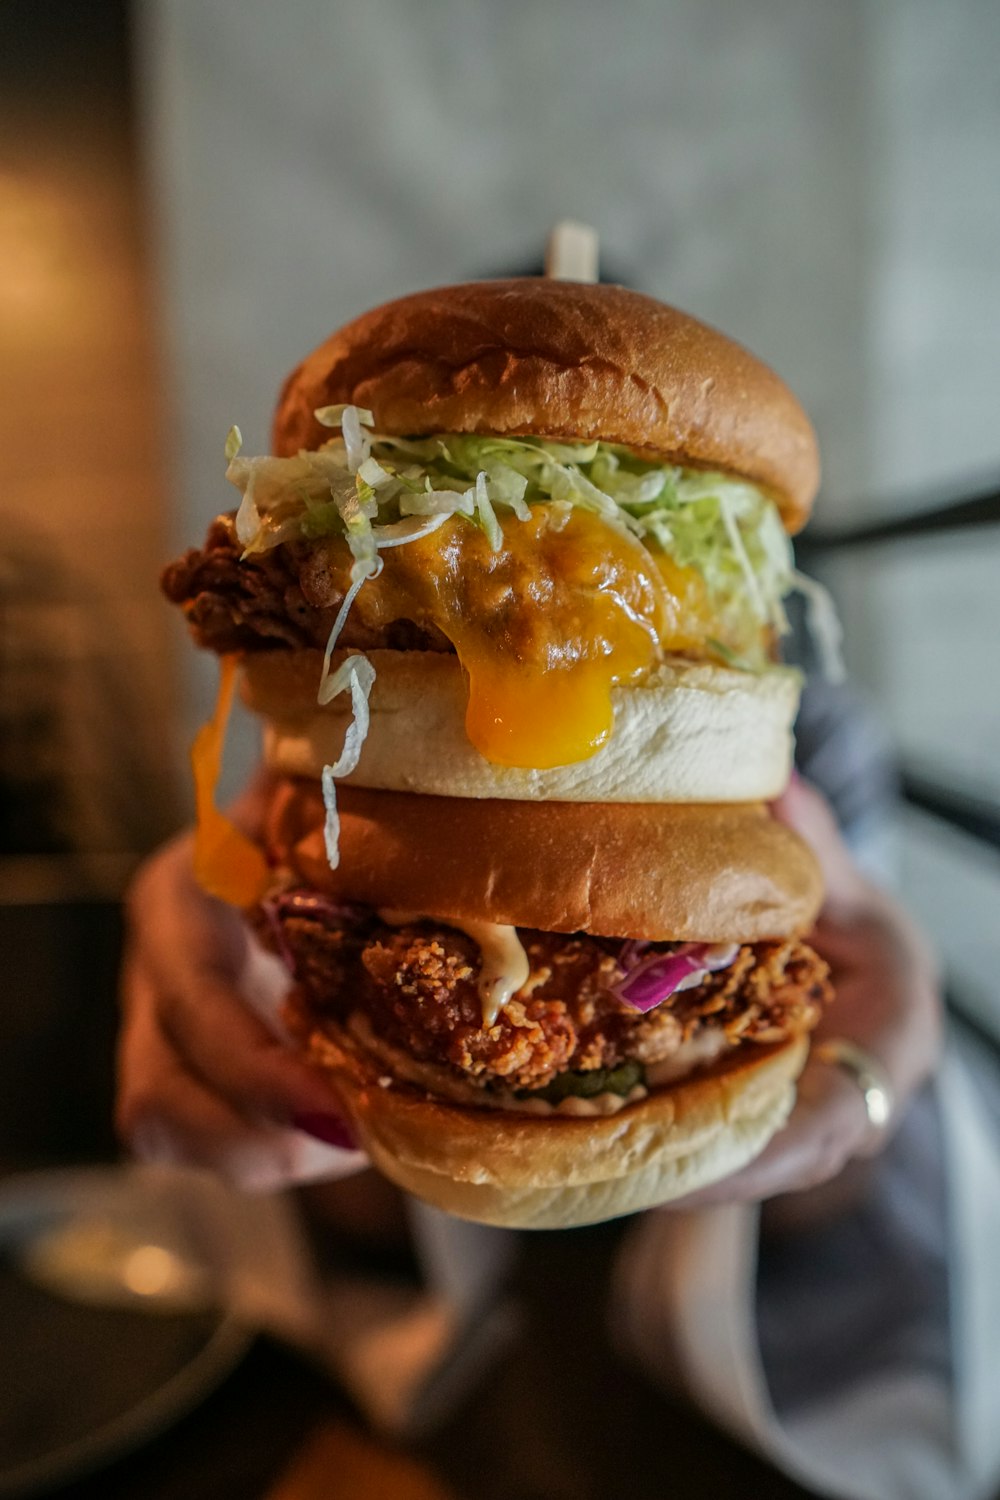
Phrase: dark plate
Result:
[82,1384]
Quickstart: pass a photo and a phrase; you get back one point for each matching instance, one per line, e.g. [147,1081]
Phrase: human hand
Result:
[202,1081]
[886,1001]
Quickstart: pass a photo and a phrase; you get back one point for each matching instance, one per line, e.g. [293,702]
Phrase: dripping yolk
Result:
[544,627]
[562,616]
[226,863]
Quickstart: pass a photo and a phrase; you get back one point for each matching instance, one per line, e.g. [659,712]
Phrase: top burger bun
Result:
[550,1172]
[559,359]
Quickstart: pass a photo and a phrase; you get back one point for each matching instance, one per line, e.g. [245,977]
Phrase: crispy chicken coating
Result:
[417,986]
[286,597]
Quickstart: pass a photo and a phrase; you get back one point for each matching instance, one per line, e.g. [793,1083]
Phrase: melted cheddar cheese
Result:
[544,627]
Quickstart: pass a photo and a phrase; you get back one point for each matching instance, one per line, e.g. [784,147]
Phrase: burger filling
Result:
[409,993]
[554,570]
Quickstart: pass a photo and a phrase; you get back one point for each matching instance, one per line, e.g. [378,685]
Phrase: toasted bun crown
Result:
[692,872]
[564,360]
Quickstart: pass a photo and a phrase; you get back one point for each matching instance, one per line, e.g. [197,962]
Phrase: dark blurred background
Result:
[88,772]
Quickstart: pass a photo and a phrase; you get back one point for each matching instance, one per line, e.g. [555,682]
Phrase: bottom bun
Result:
[528,1172]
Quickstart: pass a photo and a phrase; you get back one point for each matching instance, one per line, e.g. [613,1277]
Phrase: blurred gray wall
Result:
[921,617]
[818,179]
[315,158]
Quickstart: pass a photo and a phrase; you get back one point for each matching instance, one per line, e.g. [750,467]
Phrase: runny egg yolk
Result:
[544,627]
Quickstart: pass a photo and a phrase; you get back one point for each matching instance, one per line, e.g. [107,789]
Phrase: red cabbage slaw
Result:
[650,981]
[304,904]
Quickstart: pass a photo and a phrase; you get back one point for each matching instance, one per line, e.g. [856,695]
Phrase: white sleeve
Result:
[904,1428]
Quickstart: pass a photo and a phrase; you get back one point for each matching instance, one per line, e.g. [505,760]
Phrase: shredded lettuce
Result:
[326,690]
[487,515]
[378,491]
[357,675]
[824,625]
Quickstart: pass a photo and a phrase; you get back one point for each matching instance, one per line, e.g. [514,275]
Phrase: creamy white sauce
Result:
[703,1048]
[504,968]
[599,1104]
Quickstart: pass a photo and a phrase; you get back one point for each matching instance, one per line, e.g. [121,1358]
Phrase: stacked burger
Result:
[508,600]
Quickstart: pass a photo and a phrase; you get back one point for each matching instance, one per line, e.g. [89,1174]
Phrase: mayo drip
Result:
[504,969]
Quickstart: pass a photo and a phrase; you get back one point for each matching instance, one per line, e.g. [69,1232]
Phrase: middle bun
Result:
[686,873]
[687,732]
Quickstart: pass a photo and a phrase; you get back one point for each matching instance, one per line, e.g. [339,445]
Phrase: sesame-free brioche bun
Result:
[687,732]
[692,872]
[545,1172]
[566,360]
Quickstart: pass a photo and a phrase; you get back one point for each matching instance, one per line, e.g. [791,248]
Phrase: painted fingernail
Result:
[330,1129]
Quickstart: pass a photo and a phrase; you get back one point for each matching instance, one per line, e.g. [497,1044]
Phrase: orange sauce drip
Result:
[226,863]
[544,627]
